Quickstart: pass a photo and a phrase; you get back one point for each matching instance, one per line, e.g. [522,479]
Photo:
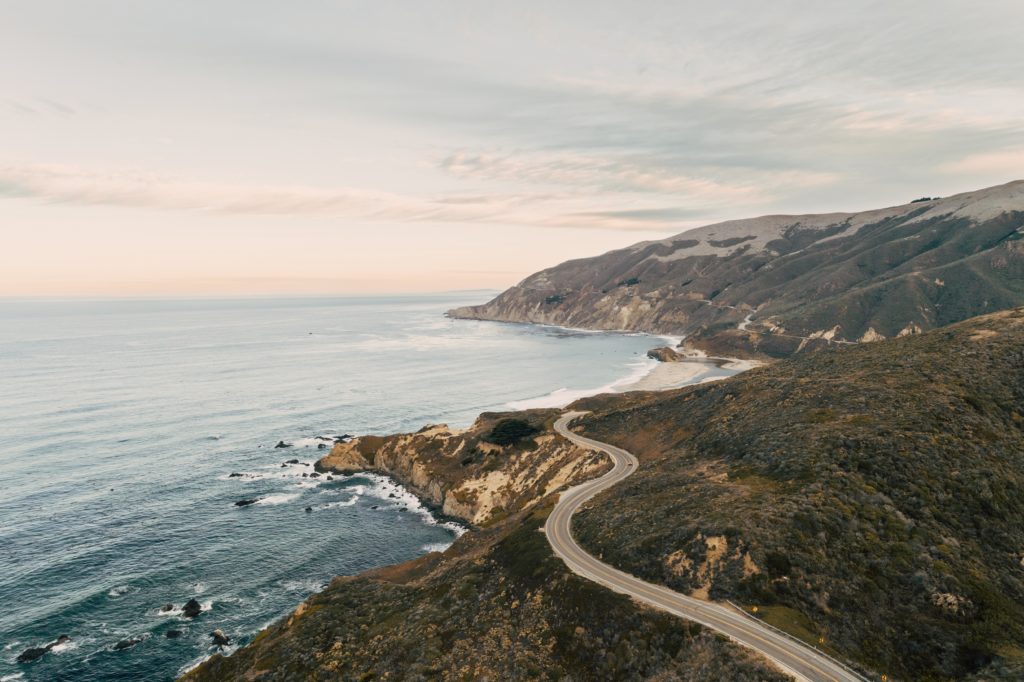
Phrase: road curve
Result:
[796,659]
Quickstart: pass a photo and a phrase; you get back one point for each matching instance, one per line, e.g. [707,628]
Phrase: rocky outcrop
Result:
[778,285]
[35,653]
[127,643]
[191,609]
[465,475]
[666,354]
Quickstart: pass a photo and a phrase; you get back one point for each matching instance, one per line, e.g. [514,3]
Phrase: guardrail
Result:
[785,634]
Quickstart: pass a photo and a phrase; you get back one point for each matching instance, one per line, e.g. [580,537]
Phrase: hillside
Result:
[775,285]
[868,496]
[871,495]
[495,606]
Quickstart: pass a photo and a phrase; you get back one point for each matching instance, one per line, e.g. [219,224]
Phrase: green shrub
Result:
[509,431]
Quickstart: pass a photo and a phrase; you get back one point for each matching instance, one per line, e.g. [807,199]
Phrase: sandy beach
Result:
[667,375]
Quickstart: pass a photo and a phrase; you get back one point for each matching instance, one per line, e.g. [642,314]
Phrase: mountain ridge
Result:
[780,284]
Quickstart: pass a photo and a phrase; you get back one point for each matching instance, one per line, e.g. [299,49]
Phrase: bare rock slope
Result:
[502,463]
[776,285]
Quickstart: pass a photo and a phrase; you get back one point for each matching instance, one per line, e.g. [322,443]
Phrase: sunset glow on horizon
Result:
[372,147]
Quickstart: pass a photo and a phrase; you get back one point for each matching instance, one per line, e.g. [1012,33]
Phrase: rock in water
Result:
[166,607]
[127,643]
[246,503]
[219,638]
[665,354]
[36,652]
[191,609]
[29,655]
[292,461]
[309,510]
[173,634]
[282,444]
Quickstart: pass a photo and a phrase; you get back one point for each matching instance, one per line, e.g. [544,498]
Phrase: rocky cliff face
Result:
[473,474]
[777,285]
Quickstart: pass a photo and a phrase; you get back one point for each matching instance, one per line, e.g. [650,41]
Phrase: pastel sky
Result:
[247,146]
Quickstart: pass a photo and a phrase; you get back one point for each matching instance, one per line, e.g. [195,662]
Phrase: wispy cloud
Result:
[136,189]
[1009,162]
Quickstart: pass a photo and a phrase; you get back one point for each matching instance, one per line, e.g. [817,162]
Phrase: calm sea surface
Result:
[121,422]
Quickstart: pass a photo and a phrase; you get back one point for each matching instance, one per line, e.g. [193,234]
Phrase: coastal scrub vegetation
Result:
[509,431]
[866,499]
[498,605]
[871,494]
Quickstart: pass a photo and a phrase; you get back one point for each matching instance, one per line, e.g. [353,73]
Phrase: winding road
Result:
[793,657]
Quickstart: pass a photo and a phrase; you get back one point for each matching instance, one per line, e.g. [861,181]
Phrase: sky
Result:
[329,146]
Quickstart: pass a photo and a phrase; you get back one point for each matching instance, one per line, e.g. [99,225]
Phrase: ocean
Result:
[122,422]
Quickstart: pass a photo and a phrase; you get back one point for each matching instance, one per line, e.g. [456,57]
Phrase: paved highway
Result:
[794,658]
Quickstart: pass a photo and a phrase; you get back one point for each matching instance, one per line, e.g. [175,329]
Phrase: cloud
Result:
[1009,163]
[66,184]
[595,174]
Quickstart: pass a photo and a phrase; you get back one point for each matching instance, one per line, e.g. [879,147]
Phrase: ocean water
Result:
[122,422]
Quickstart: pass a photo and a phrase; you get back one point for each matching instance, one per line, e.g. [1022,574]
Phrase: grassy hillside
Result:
[777,285]
[496,606]
[871,496]
[868,499]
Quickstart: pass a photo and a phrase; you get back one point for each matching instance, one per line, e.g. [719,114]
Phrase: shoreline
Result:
[659,376]
[666,376]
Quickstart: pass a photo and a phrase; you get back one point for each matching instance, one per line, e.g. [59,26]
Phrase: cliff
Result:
[501,464]
[865,498]
[777,285]
[496,606]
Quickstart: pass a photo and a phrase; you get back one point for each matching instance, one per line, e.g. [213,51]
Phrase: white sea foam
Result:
[271,472]
[12,677]
[193,664]
[436,546]
[563,396]
[344,503]
[389,491]
[278,499]
[120,590]
[312,442]
[67,646]
[305,586]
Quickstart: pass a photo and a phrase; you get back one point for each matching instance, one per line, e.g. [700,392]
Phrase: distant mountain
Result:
[776,285]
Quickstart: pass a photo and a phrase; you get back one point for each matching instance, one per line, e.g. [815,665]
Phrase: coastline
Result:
[665,376]
[411,478]
[425,465]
